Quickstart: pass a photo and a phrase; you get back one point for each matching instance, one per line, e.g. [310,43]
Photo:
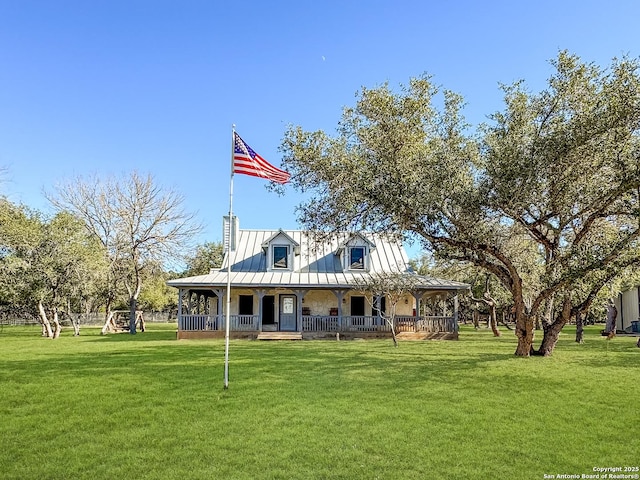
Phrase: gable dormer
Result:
[280,251]
[355,253]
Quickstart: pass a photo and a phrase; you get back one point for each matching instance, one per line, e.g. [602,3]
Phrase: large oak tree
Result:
[45,264]
[560,168]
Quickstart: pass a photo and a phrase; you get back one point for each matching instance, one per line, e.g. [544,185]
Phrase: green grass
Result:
[150,407]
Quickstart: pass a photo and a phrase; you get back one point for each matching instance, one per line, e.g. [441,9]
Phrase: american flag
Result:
[248,162]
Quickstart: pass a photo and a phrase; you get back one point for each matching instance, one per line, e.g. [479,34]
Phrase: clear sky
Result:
[110,86]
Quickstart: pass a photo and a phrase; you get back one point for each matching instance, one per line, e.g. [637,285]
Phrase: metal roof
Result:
[316,265]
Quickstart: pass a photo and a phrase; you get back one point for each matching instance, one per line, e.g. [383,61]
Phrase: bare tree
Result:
[138,222]
[394,286]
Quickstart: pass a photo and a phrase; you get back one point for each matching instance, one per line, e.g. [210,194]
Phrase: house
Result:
[290,284]
[628,306]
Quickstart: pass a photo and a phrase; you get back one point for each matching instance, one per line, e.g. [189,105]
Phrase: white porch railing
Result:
[429,324]
[323,323]
[216,322]
[320,323]
[365,323]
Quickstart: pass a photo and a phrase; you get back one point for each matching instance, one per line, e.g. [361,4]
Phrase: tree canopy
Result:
[46,263]
[139,223]
[559,170]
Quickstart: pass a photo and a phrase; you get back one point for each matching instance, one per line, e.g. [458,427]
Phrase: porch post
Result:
[339,295]
[418,298]
[260,294]
[456,305]
[299,296]
[220,295]
[180,290]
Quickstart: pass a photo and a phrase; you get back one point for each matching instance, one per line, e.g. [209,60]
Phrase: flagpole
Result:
[228,307]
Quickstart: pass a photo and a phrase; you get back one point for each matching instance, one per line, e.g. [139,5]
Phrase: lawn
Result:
[150,407]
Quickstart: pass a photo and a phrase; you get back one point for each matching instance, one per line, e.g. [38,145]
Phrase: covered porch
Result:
[426,313]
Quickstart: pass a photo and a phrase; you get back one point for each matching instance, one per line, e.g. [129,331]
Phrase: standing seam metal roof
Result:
[316,266]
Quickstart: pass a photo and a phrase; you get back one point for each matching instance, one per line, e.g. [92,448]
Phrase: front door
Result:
[288,313]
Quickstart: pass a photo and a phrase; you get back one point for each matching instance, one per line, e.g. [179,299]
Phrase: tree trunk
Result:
[493,320]
[552,330]
[140,319]
[579,328]
[75,322]
[46,326]
[133,307]
[525,334]
[391,321]
[612,315]
[550,338]
[56,322]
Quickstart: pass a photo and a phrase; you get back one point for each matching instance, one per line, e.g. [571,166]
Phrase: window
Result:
[356,258]
[280,256]
[245,305]
[357,306]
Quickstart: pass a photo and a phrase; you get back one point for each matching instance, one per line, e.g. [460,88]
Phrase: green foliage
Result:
[50,261]
[151,407]
[156,295]
[139,223]
[546,197]
[207,256]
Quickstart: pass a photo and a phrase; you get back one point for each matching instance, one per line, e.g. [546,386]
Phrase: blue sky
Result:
[108,86]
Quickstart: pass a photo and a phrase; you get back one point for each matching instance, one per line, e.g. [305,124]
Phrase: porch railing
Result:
[429,324]
[320,323]
[216,322]
[324,323]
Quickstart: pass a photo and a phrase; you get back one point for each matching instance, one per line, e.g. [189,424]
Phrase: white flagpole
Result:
[230,237]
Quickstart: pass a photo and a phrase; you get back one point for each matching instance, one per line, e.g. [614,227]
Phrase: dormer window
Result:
[281,256]
[280,251]
[356,258]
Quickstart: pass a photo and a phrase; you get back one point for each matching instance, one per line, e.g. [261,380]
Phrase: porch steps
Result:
[280,336]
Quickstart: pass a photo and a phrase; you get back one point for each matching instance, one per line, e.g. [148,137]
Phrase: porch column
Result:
[456,306]
[260,294]
[180,290]
[339,295]
[417,295]
[299,296]
[219,292]
[222,308]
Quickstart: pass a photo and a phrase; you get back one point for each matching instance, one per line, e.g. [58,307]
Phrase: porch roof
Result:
[294,280]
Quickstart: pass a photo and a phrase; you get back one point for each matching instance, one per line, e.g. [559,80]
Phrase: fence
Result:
[95,319]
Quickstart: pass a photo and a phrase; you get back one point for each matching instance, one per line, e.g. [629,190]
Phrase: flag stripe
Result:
[248,162]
